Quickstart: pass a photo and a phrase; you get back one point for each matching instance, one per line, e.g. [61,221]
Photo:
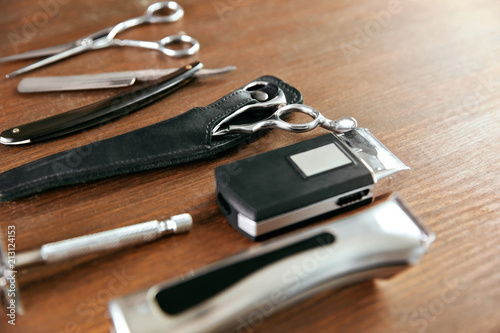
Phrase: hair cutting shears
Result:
[271,96]
[155,13]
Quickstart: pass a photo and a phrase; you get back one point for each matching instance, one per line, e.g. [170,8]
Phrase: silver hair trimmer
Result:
[376,243]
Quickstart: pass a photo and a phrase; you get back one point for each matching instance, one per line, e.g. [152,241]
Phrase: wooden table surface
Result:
[423,76]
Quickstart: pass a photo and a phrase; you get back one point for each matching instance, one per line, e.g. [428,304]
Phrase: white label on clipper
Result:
[320,159]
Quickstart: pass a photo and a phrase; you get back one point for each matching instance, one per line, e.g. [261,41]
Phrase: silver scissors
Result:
[271,96]
[155,13]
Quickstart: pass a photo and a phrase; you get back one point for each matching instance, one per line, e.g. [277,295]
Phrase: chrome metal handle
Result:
[113,239]
[105,241]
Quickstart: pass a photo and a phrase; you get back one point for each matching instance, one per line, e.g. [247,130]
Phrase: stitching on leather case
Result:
[209,126]
[59,174]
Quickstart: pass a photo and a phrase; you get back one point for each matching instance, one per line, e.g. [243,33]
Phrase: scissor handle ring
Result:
[156,16]
[291,108]
[165,42]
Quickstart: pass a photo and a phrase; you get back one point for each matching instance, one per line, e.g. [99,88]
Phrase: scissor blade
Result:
[47,51]
[51,50]
[104,80]
[57,57]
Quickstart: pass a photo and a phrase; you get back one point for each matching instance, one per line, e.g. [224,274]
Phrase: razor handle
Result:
[375,243]
[100,112]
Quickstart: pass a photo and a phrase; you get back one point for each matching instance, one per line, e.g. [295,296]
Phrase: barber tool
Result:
[100,112]
[376,243]
[105,80]
[276,120]
[182,139]
[263,194]
[156,13]
[72,248]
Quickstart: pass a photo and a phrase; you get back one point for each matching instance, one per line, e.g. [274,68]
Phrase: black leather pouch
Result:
[184,138]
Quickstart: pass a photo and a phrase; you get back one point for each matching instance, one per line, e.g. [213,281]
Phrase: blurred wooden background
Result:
[424,77]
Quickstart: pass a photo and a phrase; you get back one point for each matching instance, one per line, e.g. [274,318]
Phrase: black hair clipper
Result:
[263,194]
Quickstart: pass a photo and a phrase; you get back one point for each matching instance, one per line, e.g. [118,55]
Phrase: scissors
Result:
[270,95]
[107,38]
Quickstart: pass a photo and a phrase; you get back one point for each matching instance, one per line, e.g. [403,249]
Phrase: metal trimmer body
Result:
[376,243]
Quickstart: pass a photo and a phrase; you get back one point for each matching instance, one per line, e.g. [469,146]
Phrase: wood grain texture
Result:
[425,79]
